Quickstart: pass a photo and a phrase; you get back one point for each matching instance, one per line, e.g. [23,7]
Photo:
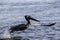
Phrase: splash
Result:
[6,34]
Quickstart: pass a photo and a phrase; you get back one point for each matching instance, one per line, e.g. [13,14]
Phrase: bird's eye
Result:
[27,16]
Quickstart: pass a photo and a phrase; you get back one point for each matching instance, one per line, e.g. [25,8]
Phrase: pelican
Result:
[22,27]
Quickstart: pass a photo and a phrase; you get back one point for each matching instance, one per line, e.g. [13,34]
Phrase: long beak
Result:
[52,24]
[34,19]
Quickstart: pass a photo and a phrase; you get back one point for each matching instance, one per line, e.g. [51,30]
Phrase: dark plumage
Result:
[22,27]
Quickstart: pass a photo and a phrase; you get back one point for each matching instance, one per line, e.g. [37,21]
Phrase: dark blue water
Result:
[12,13]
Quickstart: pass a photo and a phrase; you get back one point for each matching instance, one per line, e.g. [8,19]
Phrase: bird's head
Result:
[28,17]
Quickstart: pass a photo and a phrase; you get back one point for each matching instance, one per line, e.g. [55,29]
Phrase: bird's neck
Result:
[28,22]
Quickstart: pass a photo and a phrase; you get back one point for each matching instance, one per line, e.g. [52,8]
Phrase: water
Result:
[12,13]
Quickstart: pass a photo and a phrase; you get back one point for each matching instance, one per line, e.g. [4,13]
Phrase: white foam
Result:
[6,34]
